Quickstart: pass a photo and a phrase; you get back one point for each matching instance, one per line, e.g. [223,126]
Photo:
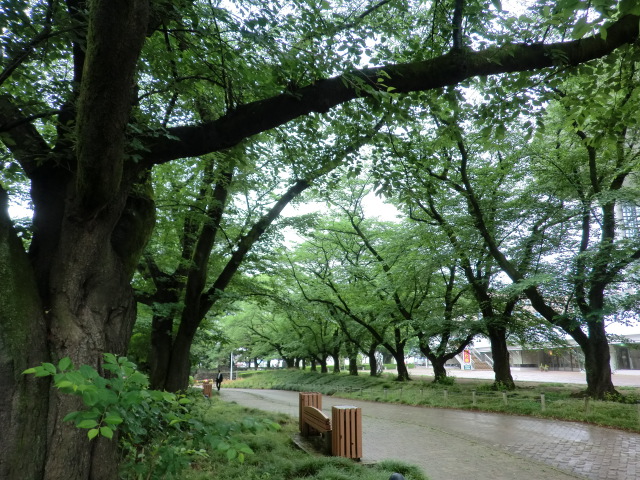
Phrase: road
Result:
[454,444]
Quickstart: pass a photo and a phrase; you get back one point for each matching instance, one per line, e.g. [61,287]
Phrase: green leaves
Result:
[158,423]
[108,399]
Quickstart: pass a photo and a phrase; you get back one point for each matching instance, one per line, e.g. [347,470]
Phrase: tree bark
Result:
[500,354]
[353,366]
[352,355]
[597,358]
[336,362]
[439,370]
[160,357]
[403,372]
[398,355]
[24,399]
[373,361]
[180,364]
[323,365]
[83,265]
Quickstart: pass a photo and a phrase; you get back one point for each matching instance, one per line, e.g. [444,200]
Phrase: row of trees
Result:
[208,103]
[509,229]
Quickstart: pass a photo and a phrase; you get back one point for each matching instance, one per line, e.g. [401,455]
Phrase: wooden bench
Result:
[340,435]
[314,418]
[308,399]
[313,422]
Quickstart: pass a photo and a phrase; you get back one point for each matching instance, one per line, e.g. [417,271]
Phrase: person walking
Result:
[219,378]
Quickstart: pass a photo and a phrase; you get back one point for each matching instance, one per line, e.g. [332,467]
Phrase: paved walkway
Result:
[454,444]
[621,378]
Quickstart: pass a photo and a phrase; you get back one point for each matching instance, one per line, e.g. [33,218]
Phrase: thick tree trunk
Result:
[597,358]
[500,354]
[323,365]
[160,357]
[177,378]
[398,355]
[352,356]
[373,361]
[336,363]
[92,309]
[439,371]
[353,365]
[403,372]
[24,399]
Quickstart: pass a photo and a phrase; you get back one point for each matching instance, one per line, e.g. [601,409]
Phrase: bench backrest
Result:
[316,419]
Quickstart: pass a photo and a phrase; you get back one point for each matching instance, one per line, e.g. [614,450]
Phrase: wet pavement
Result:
[453,444]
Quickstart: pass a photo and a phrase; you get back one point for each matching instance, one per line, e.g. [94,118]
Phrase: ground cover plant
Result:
[544,400]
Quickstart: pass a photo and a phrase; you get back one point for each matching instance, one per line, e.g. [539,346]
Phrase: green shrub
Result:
[160,433]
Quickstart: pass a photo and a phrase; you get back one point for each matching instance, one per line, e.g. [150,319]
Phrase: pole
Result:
[231,368]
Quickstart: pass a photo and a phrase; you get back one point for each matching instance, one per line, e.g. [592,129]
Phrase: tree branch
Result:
[323,95]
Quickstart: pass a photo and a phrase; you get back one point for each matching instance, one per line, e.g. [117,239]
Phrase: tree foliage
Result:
[97,94]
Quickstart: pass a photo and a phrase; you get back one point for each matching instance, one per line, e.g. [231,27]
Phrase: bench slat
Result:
[316,419]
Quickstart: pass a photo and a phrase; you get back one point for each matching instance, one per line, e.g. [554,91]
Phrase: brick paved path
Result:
[454,444]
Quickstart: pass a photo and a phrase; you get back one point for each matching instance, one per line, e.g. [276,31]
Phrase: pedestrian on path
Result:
[219,380]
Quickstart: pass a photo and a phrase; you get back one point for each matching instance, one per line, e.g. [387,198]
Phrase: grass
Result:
[276,457]
[561,401]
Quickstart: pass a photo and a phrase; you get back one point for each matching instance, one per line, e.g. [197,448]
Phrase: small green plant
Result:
[160,433]
[449,380]
[108,400]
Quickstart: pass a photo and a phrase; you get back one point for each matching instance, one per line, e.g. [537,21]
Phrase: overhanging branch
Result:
[323,95]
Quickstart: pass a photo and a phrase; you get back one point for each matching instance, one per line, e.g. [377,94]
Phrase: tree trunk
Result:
[92,312]
[403,372]
[24,399]
[336,363]
[323,365]
[597,358]
[353,365]
[500,354]
[352,356]
[439,371]
[89,302]
[177,378]
[396,351]
[160,357]
[373,361]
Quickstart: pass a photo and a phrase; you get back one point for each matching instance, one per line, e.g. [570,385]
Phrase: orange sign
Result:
[466,357]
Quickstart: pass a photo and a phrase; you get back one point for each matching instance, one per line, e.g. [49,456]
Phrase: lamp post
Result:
[231,367]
